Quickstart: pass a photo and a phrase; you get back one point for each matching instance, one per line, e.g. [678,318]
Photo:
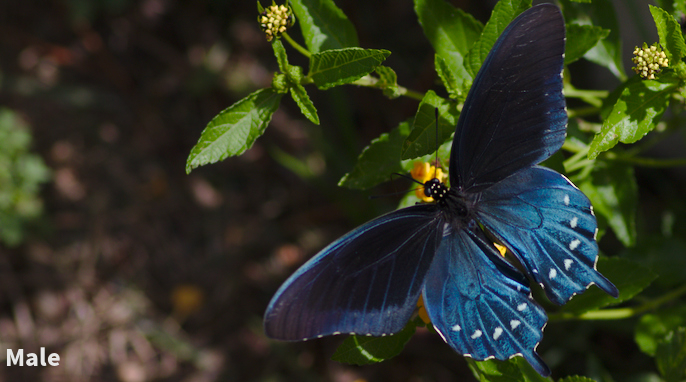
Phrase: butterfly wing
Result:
[480,304]
[549,225]
[366,282]
[514,115]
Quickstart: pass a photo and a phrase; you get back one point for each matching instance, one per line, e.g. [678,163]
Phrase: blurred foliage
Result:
[21,175]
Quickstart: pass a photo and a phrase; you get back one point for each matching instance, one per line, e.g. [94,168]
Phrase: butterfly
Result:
[369,281]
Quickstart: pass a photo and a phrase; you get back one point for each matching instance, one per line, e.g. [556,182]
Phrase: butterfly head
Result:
[435,189]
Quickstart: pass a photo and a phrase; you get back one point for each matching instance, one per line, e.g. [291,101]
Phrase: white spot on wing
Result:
[553,273]
[514,324]
[521,307]
[574,243]
[497,332]
[456,328]
[566,200]
[477,334]
[568,263]
[572,223]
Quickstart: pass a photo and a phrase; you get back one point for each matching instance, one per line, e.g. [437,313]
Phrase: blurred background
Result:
[130,269]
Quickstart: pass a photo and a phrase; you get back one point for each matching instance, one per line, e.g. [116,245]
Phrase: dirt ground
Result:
[139,272]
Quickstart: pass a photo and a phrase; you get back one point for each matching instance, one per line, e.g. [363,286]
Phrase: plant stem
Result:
[297,46]
[583,111]
[620,313]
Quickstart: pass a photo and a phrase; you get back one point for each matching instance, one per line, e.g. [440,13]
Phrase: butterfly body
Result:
[368,281]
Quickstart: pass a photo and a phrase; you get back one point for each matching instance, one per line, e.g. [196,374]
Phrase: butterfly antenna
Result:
[399,192]
[408,177]
[436,164]
[392,194]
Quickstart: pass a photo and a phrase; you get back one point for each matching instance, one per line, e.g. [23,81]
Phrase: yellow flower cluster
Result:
[649,61]
[275,20]
[424,172]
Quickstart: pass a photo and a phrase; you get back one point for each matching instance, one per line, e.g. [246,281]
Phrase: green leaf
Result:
[503,13]
[636,112]
[664,256]
[576,378]
[378,160]
[653,327]
[343,66]
[515,369]
[612,189]
[293,76]
[599,13]
[580,39]
[388,81]
[423,139]
[670,34]
[628,276]
[235,129]
[670,356]
[306,106]
[324,25]
[448,77]
[281,55]
[451,32]
[363,350]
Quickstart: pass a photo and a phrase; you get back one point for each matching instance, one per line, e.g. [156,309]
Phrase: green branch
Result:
[297,46]
[620,313]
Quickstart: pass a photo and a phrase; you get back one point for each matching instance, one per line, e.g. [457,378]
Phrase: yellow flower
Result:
[424,172]
[500,249]
[422,311]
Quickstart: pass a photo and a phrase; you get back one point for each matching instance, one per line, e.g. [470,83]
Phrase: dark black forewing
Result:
[514,115]
[366,282]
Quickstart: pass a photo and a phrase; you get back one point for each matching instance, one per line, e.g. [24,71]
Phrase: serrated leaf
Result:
[281,55]
[653,327]
[515,369]
[576,378]
[451,32]
[636,112]
[423,138]
[306,106]
[378,160]
[503,13]
[363,350]
[670,34]
[612,189]
[235,129]
[343,66]
[293,76]
[628,276]
[324,25]
[388,81]
[670,356]
[580,39]
[448,77]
